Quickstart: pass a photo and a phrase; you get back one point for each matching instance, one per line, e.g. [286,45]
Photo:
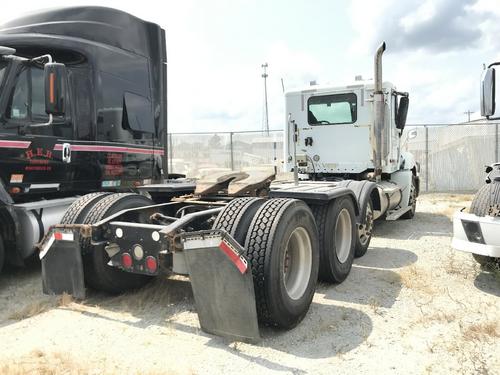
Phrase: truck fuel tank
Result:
[390,197]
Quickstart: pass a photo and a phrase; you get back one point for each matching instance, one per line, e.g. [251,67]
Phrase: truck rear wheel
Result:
[487,195]
[237,216]
[337,236]
[283,250]
[365,232]
[98,274]
[79,208]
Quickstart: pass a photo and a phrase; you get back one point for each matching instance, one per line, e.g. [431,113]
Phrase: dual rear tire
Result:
[90,209]
[337,235]
[287,246]
[282,247]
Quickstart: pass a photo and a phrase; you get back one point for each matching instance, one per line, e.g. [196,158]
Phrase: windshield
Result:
[332,109]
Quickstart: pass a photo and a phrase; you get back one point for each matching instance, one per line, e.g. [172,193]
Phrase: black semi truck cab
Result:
[82,109]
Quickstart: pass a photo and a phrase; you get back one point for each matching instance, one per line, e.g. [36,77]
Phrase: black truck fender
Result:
[10,230]
[363,191]
[5,198]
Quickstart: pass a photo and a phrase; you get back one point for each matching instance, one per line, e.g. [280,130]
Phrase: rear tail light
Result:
[15,190]
[126,260]
[151,264]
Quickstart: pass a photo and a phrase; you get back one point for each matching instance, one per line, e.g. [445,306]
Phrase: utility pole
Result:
[266,114]
[468,113]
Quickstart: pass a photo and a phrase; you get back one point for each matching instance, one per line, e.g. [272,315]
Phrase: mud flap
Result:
[222,285]
[62,266]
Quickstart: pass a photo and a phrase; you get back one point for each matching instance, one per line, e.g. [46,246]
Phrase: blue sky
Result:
[215,49]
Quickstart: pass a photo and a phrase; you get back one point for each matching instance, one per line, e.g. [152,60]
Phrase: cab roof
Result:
[94,24]
[329,88]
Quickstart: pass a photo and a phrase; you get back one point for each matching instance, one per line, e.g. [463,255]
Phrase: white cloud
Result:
[435,50]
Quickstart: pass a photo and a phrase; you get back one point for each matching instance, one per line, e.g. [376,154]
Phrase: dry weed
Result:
[57,363]
[439,317]
[40,306]
[40,363]
[481,331]
[464,269]
[417,279]
[374,305]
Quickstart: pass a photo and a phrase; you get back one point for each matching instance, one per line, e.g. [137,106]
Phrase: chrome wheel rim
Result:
[343,235]
[297,263]
[365,230]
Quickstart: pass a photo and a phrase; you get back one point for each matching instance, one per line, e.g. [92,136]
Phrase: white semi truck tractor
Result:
[478,231]
[354,132]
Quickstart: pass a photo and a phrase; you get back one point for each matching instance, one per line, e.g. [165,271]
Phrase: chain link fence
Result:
[451,157]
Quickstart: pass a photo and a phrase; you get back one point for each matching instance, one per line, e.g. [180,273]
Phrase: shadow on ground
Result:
[384,257]
[429,224]
[488,282]
[334,329]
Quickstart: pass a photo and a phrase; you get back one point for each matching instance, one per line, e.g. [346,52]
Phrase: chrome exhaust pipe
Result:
[378,135]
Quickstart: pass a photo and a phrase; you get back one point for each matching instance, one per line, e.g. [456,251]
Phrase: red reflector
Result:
[58,236]
[15,190]
[126,260]
[238,261]
[151,264]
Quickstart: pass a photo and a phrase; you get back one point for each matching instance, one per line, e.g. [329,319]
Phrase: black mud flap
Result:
[62,267]
[222,285]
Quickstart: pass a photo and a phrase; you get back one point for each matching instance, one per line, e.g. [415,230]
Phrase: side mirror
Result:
[488,93]
[55,77]
[402,112]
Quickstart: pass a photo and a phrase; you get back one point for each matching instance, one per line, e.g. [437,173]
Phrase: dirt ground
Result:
[410,305]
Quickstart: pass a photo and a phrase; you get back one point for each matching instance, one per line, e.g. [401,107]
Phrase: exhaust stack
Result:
[378,136]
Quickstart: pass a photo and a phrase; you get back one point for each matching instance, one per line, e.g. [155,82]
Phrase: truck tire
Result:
[487,195]
[79,208]
[484,260]
[282,248]
[2,253]
[336,223]
[413,201]
[98,274]
[237,216]
[365,232]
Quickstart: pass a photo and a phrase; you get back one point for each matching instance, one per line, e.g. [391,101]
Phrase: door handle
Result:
[66,153]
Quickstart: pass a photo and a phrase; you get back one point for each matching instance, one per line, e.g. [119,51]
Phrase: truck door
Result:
[337,133]
[29,156]
[125,131]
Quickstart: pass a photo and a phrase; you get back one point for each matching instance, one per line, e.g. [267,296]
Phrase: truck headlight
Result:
[473,231]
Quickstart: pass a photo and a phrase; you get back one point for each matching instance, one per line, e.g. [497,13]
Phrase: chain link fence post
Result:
[171,151]
[426,159]
[497,157]
[232,150]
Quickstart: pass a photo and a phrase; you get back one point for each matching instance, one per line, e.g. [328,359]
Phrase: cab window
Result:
[332,109]
[27,100]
